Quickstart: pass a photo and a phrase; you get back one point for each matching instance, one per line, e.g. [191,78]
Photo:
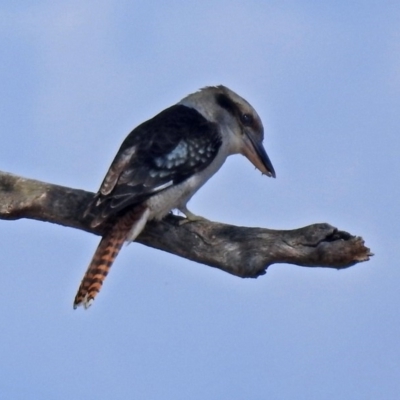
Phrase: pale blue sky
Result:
[77,76]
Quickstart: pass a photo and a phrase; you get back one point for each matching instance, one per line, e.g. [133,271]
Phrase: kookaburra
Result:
[162,163]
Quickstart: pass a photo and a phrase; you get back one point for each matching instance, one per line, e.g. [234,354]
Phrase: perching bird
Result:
[162,163]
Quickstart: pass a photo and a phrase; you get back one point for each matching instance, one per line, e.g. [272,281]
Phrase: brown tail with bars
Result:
[106,252]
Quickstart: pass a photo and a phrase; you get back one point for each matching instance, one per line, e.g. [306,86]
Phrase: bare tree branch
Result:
[241,251]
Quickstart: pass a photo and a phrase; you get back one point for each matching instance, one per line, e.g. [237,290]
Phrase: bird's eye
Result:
[247,119]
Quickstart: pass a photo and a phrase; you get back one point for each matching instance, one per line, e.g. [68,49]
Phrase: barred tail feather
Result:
[129,227]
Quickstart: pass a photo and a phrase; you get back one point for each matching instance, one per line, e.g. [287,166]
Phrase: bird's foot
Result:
[190,217]
[194,218]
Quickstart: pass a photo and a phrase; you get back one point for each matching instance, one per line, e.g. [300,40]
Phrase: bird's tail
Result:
[127,227]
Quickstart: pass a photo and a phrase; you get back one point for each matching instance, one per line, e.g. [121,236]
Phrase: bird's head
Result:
[241,127]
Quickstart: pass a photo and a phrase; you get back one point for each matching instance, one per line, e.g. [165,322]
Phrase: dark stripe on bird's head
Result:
[227,103]
[245,119]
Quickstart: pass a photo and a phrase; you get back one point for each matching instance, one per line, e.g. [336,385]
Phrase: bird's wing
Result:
[159,153]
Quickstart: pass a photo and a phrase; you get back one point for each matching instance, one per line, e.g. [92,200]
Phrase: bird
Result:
[161,164]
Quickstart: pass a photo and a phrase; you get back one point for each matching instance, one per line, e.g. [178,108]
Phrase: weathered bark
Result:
[241,251]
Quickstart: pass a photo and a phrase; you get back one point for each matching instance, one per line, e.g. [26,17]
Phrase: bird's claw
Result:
[192,218]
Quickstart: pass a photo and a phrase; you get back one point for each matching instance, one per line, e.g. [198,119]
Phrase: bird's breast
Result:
[178,195]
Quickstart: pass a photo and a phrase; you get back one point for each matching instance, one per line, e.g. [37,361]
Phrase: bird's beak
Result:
[255,152]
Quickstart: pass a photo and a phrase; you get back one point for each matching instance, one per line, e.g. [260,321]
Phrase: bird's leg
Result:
[190,217]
